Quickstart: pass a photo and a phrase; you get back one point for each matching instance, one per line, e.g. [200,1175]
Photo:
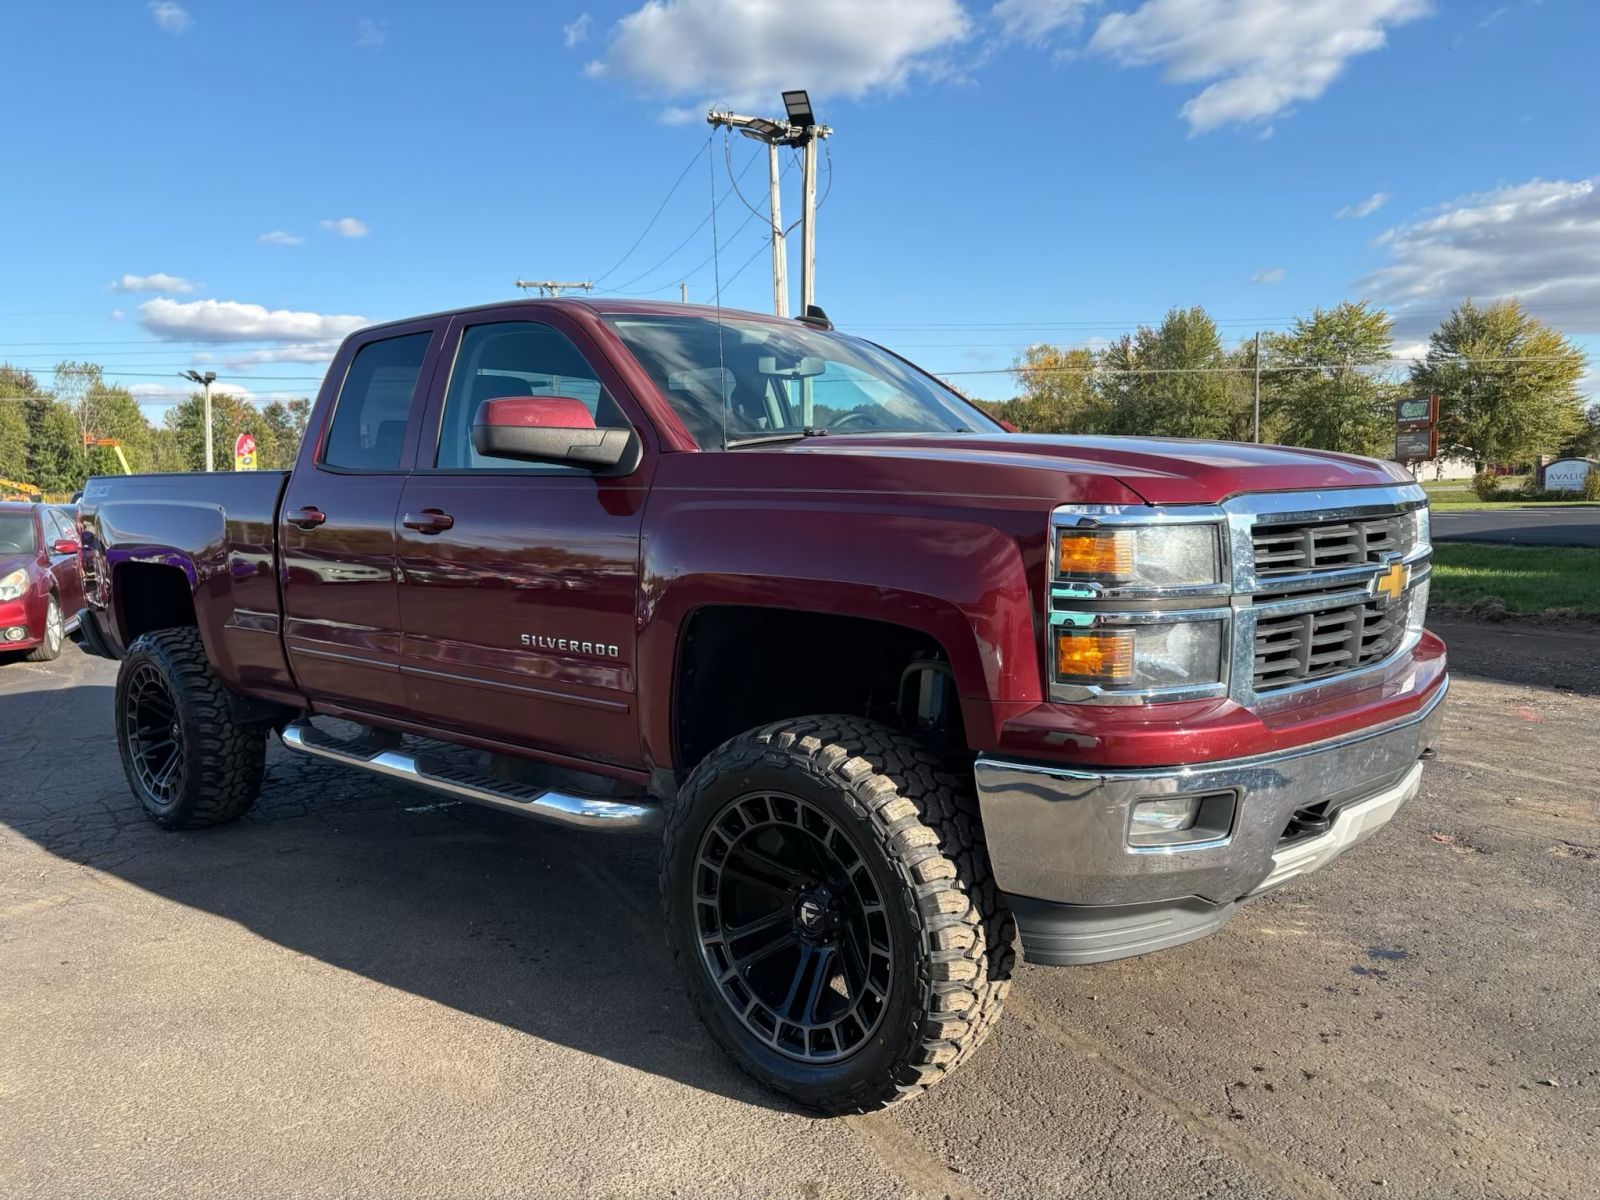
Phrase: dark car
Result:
[41,583]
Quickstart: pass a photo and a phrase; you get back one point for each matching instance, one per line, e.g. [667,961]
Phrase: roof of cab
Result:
[603,306]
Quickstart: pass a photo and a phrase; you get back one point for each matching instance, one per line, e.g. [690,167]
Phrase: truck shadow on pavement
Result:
[550,932]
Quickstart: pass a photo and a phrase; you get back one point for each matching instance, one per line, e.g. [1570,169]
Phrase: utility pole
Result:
[800,128]
[683,293]
[804,122]
[553,287]
[780,250]
[205,381]
[1257,390]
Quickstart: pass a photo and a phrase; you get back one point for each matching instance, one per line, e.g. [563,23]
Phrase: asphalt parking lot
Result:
[359,991]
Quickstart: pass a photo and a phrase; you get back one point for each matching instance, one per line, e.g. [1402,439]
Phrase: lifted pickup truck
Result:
[896,685]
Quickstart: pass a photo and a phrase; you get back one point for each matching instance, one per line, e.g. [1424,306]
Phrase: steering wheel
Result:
[855,416]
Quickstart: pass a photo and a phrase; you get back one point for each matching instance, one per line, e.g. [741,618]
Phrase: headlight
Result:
[14,584]
[1138,557]
[1419,610]
[1149,656]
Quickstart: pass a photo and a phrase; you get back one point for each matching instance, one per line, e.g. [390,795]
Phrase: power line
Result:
[620,289]
[660,208]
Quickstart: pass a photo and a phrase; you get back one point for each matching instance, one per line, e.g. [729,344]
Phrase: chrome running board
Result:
[560,808]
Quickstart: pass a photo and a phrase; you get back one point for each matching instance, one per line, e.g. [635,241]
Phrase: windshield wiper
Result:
[793,435]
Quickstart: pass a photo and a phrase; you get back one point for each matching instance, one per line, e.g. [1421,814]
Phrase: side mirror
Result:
[64,546]
[548,429]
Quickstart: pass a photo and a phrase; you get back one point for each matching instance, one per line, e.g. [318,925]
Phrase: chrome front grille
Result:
[1315,609]
[1297,647]
[1296,547]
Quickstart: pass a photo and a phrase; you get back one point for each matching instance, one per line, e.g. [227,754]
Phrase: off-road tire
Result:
[48,650]
[222,761]
[914,820]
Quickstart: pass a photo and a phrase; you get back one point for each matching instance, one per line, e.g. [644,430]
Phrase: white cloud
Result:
[1537,241]
[1034,20]
[577,32]
[744,52]
[297,352]
[1269,275]
[1257,58]
[280,237]
[172,18]
[230,321]
[350,227]
[1364,208]
[372,36]
[159,282]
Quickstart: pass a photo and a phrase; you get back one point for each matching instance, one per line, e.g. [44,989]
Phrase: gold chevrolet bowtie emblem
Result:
[1392,583]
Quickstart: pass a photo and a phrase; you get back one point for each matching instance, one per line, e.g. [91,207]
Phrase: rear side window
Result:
[369,420]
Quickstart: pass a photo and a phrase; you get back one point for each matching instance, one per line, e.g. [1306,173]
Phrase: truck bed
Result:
[220,530]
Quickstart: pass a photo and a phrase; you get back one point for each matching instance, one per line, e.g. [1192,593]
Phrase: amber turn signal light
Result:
[1104,554]
[1095,655]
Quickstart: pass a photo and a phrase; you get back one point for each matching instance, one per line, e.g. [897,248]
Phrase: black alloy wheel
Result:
[154,734]
[792,928]
[188,759]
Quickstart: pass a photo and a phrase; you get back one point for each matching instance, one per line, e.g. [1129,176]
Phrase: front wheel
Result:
[49,649]
[188,761]
[830,904]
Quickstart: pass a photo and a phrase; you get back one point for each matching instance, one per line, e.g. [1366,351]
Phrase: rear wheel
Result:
[54,633]
[187,760]
[830,905]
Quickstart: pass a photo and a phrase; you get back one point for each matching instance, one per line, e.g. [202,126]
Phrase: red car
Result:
[41,584]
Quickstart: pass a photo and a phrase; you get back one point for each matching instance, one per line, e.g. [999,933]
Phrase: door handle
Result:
[308,517]
[429,520]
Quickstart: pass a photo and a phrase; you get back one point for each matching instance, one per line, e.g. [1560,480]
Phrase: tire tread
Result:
[924,818]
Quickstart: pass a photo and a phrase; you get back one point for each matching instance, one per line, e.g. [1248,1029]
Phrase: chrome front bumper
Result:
[1058,837]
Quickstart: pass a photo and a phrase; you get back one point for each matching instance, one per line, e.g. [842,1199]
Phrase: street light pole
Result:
[799,129]
[205,381]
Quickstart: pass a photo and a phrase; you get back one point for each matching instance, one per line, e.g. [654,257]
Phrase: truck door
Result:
[341,605]
[519,582]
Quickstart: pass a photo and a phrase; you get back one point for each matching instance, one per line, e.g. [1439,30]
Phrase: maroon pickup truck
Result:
[898,687]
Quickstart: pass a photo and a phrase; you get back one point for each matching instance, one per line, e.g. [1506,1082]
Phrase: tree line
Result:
[53,434]
[1507,384]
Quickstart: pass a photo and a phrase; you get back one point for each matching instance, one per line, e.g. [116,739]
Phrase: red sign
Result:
[244,452]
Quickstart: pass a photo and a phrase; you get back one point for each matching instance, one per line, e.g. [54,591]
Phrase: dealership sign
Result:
[1567,474]
[244,452]
[1416,425]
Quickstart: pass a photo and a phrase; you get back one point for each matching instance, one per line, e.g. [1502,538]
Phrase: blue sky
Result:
[234,186]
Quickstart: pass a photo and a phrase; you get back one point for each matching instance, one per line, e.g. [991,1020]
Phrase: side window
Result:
[65,526]
[369,419]
[515,358]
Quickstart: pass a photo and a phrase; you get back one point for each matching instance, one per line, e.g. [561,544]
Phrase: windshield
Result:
[779,380]
[16,533]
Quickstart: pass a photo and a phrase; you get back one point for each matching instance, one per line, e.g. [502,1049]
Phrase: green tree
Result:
[287,420]
[230,416]
[1057,391]
[1170,381]
[55,457]
[1507,383]
[118,415]
[1332,398]
[15,388]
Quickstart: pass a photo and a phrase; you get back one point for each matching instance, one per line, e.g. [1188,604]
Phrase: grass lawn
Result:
[1456,495]
[1526,579]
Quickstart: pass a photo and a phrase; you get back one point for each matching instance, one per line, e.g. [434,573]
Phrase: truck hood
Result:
[1159,470]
